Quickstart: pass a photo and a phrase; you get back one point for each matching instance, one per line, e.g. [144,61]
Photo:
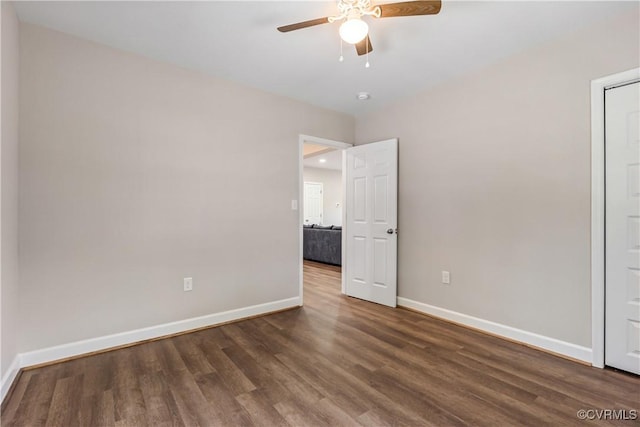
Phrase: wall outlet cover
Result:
[446,277]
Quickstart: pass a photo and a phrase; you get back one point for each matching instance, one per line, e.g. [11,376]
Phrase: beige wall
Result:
[9,188]
[332,192]
[135,174]
[495,183]
[124,190]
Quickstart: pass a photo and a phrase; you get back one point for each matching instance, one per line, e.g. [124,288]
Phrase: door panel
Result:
[359,199]
[380,250]
[358,261]
[622,228]
[371,178]
[380,199]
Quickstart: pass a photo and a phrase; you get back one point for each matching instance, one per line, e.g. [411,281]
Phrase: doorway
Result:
[320,162]
[616,221]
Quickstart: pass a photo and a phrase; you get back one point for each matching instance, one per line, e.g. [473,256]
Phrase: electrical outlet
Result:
[446,277]
[188,284]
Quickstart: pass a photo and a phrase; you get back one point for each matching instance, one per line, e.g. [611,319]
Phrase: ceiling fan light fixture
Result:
[353,30]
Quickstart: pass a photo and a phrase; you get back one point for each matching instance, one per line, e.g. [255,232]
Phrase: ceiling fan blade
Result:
[410,8]
[305,24]
[363,45]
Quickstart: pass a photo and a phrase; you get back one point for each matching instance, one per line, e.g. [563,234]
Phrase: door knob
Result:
[390,231]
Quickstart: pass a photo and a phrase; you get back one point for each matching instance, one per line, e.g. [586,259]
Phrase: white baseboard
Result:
[529,338]
[78,348]
[9,377]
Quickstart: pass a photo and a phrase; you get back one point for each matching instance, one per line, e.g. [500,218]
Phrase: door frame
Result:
[598,86]
[329,143]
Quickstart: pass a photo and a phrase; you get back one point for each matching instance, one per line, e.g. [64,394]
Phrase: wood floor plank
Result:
[355,396]
[260,409]
[337,361]
[98,375]
[336,415]
[64,408]
[193,407]
[222,401]
[338,385]
[257,374]
[10,406]
[454,399]
[417,401]
[288,378]
[194,358]
[127,396]
[233,378]
[159,401]
[297,412]
[36,401]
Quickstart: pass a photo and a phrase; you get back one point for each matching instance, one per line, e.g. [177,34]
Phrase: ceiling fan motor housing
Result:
[354,9]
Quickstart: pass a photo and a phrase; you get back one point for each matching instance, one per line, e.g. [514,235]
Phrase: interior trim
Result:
[541,342]
[598,86]
[9,377]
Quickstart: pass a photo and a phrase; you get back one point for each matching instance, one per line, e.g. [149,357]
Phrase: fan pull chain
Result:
[367,65]
[341,57]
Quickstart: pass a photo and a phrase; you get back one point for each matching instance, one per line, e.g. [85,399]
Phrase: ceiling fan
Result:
[354,30]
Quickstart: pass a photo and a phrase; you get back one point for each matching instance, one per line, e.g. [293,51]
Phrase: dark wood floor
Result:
[336,362]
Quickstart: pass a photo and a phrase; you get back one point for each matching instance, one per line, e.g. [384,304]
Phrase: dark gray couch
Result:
[322,244]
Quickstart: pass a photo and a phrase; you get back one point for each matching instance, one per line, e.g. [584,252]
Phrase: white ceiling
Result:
[332,160]
[237,40]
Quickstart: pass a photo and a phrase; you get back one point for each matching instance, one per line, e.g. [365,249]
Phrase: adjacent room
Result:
[322,204]
[320,213]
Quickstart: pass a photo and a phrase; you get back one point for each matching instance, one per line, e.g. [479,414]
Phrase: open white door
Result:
[371,240]
[313,203]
